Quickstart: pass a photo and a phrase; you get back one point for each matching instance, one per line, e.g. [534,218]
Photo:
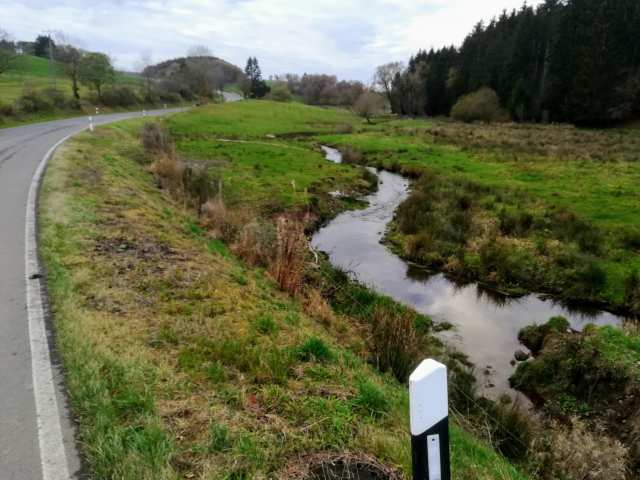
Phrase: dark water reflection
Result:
[486,323]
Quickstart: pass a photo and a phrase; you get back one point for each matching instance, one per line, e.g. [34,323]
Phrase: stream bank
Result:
[485,326]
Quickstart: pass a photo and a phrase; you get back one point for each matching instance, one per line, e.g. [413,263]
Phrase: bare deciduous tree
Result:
[368,105]
[142,66]
[7,51]
[384,76]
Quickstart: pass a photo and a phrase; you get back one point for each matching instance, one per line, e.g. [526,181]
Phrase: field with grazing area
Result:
[519,207]
[29,94]
[191,352]
[28,71]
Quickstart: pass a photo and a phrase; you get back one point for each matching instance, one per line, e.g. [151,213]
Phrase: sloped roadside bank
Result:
[152,323]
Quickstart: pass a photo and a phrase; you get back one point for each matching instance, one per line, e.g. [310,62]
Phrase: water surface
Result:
[485,326]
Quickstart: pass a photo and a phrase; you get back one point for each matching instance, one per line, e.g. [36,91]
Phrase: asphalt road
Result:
[21,151]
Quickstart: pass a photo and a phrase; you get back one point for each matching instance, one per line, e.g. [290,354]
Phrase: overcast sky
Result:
[346,38]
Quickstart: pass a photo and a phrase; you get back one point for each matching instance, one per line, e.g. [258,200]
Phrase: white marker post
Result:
[97,111]
[91,124]
[144,113]
[429,406]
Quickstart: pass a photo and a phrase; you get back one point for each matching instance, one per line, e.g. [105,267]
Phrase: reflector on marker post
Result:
[429,406]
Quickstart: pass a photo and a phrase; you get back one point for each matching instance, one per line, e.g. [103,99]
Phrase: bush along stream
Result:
[591,376]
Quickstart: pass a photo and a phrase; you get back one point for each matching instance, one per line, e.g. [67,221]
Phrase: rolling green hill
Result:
[36,72]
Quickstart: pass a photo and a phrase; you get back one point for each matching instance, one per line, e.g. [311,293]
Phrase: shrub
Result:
[280,93]
[515,222]
[170,171]
[482,105]
[314,349]
[574,453]
[199,184]
[394,339]
[55,97]
[73,104]
[291,253]
[257,243]
[119,96]
[150,97]
[170,97]
[590,278]
[351,156]
[225,223]
[33,101]
[344,128]
[7,110]
[630,239]
[570,227]
[156,140]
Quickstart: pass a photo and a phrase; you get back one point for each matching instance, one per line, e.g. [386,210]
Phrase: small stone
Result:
[35,276]
[513,363]
[521,355]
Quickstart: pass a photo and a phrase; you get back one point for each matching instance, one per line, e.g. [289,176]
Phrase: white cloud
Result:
[345,38]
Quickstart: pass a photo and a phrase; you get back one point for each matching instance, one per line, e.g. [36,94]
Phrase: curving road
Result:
[29,436]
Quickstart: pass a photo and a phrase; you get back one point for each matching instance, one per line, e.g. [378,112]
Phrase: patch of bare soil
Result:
[340,467]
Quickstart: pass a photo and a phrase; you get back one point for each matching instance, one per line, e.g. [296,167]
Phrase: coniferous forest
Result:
[572,61]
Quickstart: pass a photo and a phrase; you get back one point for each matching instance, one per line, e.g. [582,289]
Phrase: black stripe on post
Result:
[430,450]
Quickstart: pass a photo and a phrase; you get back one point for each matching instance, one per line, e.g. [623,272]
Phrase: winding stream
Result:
[485,326]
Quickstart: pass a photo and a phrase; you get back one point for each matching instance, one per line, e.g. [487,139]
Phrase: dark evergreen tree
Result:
[565,60]
[41,46]
[258,88]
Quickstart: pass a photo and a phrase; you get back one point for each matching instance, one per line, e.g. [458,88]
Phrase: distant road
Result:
[231,97]
[22,433]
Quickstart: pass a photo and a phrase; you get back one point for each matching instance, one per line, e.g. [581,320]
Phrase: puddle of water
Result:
[486,326]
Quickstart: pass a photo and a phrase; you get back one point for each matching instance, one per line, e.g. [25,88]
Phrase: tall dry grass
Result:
[225,223]
[394,340]
[170,172]
[156,140]
[575,453]
[255,243]
[292,249]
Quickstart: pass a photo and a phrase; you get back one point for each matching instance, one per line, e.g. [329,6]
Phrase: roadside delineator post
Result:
[91,124]
[429,407]
[144,113]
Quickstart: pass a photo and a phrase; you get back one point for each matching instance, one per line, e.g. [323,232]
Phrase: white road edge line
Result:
[53,457]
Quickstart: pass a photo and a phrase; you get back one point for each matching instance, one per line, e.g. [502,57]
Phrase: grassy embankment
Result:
[182,360]
[519,207]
